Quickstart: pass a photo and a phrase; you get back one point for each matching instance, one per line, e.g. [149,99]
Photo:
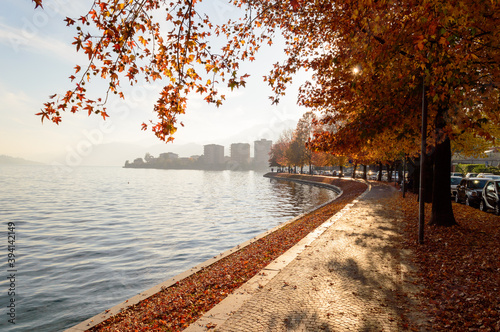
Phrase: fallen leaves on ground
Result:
[178,306]
[458,267]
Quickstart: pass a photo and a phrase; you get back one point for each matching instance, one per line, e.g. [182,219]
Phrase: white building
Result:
[261,151]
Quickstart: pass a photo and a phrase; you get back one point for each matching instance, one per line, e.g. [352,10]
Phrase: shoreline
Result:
[119,313]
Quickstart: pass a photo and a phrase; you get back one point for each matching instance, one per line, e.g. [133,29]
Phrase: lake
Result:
[89,238]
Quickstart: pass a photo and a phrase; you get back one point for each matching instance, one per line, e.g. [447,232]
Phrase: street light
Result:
[421,205]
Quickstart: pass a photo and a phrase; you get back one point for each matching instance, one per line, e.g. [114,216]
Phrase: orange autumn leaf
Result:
[38,3]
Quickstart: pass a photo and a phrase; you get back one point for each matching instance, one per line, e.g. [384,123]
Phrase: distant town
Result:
[213,158]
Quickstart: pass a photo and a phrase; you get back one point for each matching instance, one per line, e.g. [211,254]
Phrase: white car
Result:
[484,175]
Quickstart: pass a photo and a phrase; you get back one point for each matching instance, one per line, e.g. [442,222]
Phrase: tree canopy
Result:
[369,59]
[132,40]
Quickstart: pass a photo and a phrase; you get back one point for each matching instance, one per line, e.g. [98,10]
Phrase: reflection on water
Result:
[294,196]
[89,239]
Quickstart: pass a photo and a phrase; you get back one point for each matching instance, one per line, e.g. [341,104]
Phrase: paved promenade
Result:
[350,277]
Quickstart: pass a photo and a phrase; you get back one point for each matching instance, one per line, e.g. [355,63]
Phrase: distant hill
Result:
[115,154]
[7,160]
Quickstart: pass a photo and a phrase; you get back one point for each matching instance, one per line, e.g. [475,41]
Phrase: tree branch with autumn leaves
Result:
[125,41]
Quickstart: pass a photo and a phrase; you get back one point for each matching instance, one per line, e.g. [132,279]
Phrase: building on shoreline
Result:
[168,155]
[212,159]
[213,156]
[261,151]
[240,155]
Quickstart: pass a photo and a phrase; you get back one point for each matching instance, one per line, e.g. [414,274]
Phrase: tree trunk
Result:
[364,172]
[390,168]
[341,170]
[400,175]
[442,211]
[354,170]
[379,177]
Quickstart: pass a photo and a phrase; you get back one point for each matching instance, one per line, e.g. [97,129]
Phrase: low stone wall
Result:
[312,180]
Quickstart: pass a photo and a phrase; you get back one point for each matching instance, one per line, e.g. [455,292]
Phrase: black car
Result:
[470,191]
[491,197]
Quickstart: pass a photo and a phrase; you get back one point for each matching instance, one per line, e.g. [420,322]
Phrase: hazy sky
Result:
[37,58]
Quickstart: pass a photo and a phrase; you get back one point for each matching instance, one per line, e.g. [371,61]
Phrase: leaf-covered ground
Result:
[176,307]
[458,267]
[458,271]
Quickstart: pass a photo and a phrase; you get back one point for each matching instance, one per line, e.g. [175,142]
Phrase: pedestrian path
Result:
[352,277]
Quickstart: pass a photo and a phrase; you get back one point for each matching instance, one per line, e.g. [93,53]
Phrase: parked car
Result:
[470,175]
[490,176]
[455,181]
[456,174]
[491,197]
[470,191]
[484,175]
[384,175]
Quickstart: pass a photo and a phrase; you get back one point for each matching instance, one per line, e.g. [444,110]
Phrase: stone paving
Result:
[351,278]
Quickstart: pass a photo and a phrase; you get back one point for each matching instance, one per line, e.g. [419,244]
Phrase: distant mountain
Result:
[257,132]
[115,154]
[183,150]
[7,160]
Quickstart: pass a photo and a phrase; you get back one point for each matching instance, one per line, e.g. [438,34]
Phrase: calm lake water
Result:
[91,238]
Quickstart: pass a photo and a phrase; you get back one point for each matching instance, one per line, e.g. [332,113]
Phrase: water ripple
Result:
[88,240]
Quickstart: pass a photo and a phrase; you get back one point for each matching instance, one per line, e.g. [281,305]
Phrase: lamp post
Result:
[421,205]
